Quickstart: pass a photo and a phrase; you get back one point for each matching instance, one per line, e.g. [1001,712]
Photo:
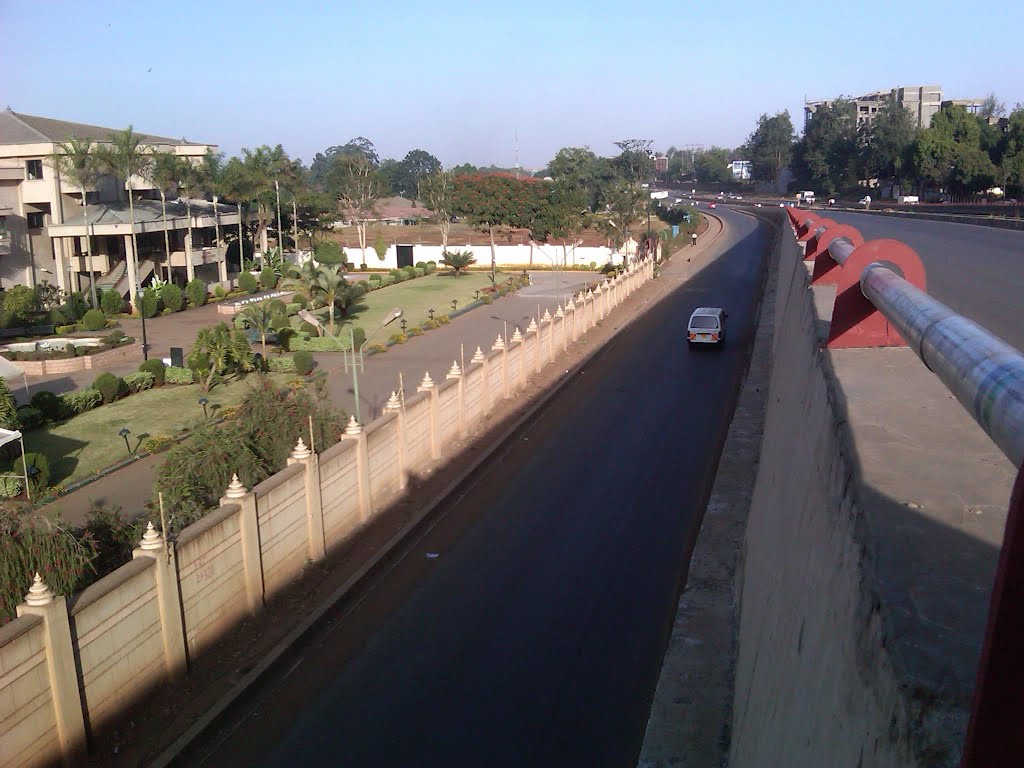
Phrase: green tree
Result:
[948,153]
[712,166]
[413,168]
[770,146]
[322,161]
[624,205]
[125,156]
[579,167]
[76,160]
[635,161]
[494,201]
[888,143]
[324,286]
[210,179]
[827,155]
[380,245]
[225,350]
[316,211]
[457,260]
[1011,152]
[436,191]
[357,185]
[238,185]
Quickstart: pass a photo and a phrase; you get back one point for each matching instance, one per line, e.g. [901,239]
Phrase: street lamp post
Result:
[124,432]
[280,232]
[353,356]
[203,401]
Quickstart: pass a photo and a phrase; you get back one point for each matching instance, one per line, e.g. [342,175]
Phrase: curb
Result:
[174,750]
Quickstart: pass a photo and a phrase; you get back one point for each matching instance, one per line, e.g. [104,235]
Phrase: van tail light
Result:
[692,336]
[714,337]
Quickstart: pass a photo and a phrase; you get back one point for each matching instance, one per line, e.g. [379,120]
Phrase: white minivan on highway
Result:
[706,326]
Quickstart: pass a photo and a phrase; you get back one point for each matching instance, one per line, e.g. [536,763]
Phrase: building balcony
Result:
[207,255]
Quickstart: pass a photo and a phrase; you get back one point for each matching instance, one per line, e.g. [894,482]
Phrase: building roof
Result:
[146,211]
[400,208]
[18,128]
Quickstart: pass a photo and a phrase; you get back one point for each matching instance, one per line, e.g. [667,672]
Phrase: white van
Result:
[706,326]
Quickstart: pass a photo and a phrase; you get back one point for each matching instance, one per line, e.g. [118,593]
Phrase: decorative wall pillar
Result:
[168,594]
[427,385]
[314,504]
[249,533]
[354,432]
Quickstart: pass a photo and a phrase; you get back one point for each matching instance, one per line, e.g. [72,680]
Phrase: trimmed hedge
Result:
[155,367]
[109,386]
[282,364]
[139,382]
[303,361]
[149,303]
[30,418]
[94,320]
[80,401]
[111,302]
[247,282]
[268,278]
[173,375]
[196,292]
[170,295]
[49,404]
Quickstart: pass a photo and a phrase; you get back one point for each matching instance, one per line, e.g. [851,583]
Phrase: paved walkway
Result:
[131,486]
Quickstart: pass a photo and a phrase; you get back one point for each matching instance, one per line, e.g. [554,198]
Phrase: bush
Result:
[8,408]
[149,303]
[30,418]
[10,487]
[139,382]
[155,367]
[38,470]
[302,342]
[419,272]
[49,404]
[375,277]
[21,300]
[57,316]
[268,278]
[431,267]
[398,338]
[292,308]
[328,252]
[94,320]
[308,328]
[111,303]
[358,289]
[9,319]
[247,282]
[378,348]
[442,319]
[282,364]
[387,280]
[409,272]
[171,296]
[413,331]
[80,401]
[284,338]
[280,322]
[195,291]
[487,298]
[397,275]
[219,292]
[421,265]
[303,362]
[277,307]
[174,375]
[108,385]
[61,330]
[157,443]
[115,337]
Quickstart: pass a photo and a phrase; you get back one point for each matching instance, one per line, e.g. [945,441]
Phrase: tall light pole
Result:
[280,232]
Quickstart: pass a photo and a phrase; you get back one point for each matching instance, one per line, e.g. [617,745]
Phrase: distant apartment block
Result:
[922,101]
[742,170]
[44,225]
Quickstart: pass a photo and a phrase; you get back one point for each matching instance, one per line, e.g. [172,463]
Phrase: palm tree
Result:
[325,286]
[259,318]
[164,173]
[226,350]
[238,186]
[457,260]
[210,177]
[190,181]
[75,159]
[125,156]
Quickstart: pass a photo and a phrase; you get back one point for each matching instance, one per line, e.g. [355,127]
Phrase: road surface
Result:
[527,627]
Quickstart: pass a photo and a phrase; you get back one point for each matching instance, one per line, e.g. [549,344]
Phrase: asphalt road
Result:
[977,271]
[527,627]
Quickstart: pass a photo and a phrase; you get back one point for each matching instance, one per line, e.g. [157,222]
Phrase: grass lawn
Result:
[82,446]
[414,298]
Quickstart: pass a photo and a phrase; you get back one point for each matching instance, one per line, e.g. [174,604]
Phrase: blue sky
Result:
[460,79]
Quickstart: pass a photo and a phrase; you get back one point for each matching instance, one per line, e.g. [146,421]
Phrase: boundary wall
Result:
[69,667]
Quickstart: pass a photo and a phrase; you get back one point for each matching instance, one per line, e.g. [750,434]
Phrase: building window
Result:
[34,169]
[36,220]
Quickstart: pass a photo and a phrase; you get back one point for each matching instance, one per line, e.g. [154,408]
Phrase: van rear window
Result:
[704,321]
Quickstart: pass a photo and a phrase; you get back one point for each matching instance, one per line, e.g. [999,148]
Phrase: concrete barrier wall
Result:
[65,672]
[814,684]
[26,707]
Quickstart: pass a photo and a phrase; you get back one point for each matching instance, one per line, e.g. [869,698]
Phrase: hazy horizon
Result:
[461,81]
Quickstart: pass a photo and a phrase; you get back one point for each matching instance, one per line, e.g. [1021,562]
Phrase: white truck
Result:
[807,198]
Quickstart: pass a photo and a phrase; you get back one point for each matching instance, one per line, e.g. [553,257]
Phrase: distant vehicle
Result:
[806,197]
[908,199]
[706,326]
[739,197]
[712,205]
[757,205]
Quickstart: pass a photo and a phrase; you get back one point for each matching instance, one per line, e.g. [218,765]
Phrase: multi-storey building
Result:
[44,224]
[922,101]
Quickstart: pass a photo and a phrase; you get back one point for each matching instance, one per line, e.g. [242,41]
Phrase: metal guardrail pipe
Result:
[984,373]
[840,250]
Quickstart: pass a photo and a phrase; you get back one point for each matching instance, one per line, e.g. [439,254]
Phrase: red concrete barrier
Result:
[824,265]
[855,320]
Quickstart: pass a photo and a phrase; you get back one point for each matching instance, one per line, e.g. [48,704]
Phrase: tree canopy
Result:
[770,146]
